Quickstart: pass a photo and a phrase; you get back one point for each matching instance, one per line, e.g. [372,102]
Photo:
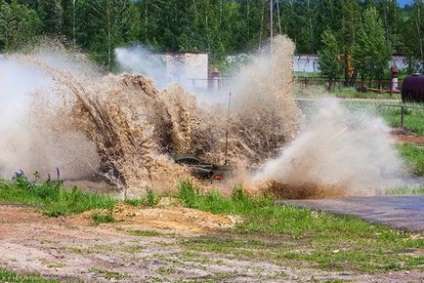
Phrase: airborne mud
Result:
[70,117]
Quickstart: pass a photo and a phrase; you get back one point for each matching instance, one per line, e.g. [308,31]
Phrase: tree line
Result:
[341,31]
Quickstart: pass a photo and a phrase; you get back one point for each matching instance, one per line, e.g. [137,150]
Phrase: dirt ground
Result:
[404,136]
[144,245]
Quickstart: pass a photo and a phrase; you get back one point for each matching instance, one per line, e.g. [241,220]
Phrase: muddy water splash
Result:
[120,127]
[340,151]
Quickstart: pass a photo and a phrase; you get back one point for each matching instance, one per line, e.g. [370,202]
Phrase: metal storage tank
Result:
[413,88]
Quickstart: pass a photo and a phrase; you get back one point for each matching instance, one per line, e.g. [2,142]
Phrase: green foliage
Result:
[216,203]
[371,52]
[102,218]
[414,154]
[144,233]
[19,25]
[187,194]
[10,276]
[414,33]
[413,117]
[329,57]
[53,199]
[217,27]
[331,242]
[151,199]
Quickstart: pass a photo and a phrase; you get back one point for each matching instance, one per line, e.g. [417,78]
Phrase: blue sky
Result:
[403,2]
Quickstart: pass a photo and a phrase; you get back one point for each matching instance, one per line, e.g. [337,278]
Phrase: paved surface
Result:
[399,212]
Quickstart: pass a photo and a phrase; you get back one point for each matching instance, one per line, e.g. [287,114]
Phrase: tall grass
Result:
[51,197]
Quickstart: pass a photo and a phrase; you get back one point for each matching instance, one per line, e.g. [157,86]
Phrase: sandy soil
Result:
[143,245]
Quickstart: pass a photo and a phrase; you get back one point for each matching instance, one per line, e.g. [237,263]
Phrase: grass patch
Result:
[99,218]
[414,155]
[11,276]
[405,191]
[325,240]
[109,274]
[53,199]
[413,117]
[144,233]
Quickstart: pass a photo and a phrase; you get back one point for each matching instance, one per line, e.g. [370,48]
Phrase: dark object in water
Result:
[413,88]
[201,169]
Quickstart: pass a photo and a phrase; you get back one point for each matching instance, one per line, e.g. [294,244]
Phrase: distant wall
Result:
[310,63]
[188,69]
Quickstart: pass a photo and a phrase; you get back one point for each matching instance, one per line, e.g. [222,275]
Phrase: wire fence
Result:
[406,116]
[361,85]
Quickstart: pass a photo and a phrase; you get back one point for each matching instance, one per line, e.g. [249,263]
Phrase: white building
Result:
[310,63]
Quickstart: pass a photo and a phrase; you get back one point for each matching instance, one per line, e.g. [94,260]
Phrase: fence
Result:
[366,85]
[384,86]
[406,116]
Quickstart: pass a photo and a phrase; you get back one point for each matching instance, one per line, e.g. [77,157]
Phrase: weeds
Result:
[151,199]
[53,199]
[10,276]
[102,218]
[144,233]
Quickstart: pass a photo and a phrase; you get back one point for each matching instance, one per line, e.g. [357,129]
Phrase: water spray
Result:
[226,131]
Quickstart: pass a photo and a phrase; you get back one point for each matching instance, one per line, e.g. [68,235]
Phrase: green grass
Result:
[343,92]
[11,276]
[414,155]
[102,218]
[51,197]
[144,233]
[413,117]
[299,235]
[405,190]
[109,274]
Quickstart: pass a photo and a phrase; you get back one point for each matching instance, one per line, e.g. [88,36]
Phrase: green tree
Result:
[329,57]
[350,22]
[417,21]
[247,26]
[102,25]
[18,25]
[51,14]
[371,53]
[412,35]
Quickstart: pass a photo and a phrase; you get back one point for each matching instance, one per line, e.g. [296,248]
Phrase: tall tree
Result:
[350,23]
[371,53]
[102,25]
[329,57]
[248,25]
[417,21]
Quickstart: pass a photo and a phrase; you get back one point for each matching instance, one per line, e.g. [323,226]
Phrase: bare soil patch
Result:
[404,136]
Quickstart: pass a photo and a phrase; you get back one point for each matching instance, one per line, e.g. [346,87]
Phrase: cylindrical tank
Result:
[413,88]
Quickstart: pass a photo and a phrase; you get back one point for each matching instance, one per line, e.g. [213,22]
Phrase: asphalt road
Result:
[398,212]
